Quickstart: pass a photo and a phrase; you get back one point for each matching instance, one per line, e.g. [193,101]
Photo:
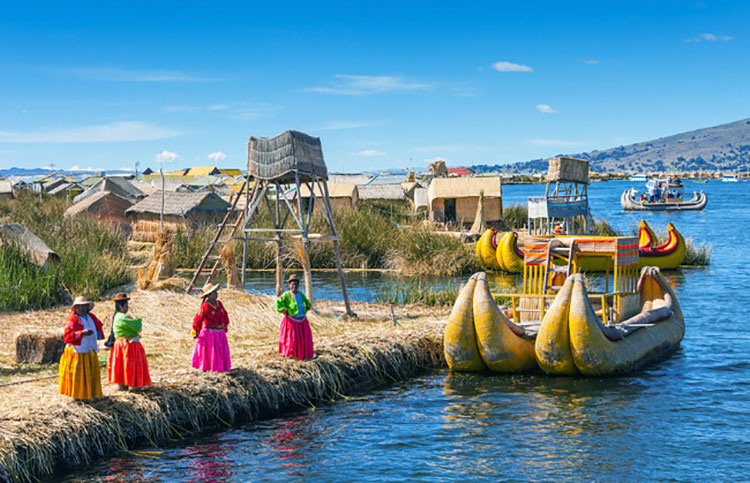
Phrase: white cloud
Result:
[546,109]
[436,158]
[167,157]
[511,67]
[116,74]
[336,125]
[218,156]
[362,85]
[370,153]
[710,38]
[554,142]
[123,131]
[592,61]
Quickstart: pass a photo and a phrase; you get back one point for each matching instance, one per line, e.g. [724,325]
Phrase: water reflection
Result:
[209,462]
[292,442]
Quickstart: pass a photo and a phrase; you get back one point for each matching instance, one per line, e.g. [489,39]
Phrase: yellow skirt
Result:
[79,374]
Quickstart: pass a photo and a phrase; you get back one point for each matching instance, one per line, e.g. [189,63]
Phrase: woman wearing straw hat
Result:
[295,336]
[209,330]
[79,364]
[127,365]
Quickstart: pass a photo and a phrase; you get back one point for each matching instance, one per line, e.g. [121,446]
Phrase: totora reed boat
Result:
[558,323]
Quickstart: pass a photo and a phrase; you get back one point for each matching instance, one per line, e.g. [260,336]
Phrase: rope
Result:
[28,380]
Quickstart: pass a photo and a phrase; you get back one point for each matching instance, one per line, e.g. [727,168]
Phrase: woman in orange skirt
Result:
[79,365]
[127,365]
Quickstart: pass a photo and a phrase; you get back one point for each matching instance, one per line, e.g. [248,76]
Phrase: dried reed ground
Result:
[35,421]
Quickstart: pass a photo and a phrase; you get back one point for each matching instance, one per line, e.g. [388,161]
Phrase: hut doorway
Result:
[450,209]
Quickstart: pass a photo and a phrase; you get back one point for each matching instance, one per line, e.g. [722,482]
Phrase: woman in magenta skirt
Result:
[295,338]
[210,331]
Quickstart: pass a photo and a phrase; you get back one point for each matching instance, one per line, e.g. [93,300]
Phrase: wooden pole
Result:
[279,262]
[305,241]
[327,201]
[161,212]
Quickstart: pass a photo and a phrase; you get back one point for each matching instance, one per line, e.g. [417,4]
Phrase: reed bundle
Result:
[161,265]
[148,231]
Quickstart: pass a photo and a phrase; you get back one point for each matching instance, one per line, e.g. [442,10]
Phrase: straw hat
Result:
[81,300]
[208,289]
[121,297]
[293,278]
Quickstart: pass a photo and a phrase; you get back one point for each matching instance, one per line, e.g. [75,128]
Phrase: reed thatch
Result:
[106,207]
[161,265]
[148,231]
[568,169]
[280,157]
[39,252]
[35,421]
[381,192]
[116,185]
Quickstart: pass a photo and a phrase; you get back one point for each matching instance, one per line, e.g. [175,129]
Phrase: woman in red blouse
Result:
[210,331]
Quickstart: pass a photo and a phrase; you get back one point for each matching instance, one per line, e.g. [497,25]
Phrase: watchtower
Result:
[564,208]
[281,166]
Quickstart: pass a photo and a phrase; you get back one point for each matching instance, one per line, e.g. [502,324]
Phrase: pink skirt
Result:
[212,351]
[295,339]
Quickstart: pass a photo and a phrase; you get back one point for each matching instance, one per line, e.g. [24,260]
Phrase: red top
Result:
[211,317]
[74,327]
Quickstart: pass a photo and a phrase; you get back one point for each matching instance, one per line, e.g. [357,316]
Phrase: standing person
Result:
[295,336]
[209,329]
[79,375]
[127,365]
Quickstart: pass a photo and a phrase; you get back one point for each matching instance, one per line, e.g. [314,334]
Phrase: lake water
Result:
[684,419]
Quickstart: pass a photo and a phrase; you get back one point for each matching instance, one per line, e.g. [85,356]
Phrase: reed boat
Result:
[486,249]
[668,255]
[558,324]
[630,202]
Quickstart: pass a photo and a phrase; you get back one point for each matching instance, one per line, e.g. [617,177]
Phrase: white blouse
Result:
[88,342]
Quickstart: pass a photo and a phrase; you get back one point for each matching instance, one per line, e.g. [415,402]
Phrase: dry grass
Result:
[35,421]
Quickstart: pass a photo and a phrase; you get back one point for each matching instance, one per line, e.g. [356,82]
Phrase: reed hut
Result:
[349,178]
[106,207]
[344,196]
[457,199]
[377,192]
[115,185]
[203,171]
[67,189]
[180,209]
[6,190]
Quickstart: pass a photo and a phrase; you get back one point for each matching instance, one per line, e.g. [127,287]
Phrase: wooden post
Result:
[161,212]
[276,215]
[305,241]
[327,200]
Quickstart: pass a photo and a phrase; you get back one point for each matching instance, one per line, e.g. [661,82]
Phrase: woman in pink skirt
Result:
[210,331]
[295,339]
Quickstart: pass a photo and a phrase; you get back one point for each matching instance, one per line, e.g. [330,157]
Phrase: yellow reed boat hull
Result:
[485,249]
[552,344]
[507,257]
[502,348]
[594,354]
[459,340]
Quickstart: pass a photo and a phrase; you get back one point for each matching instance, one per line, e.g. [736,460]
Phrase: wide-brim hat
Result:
[208,289]
[81,300]
[121,297]
[293,278]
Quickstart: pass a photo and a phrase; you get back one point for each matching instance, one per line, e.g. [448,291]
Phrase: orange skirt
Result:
[127,364]
[79,374]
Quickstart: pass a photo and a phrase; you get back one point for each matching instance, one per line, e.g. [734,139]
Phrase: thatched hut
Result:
[456,199]
[65,188]
[344,196]
[115,185]
[376,192]
[180,209]
[283,157]
[106,207]
[6,190]
[203,171]
[349,178]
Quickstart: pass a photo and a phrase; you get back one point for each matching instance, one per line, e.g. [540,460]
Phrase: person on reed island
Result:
[127,365]
[295,337]
[79,364]
[209,329]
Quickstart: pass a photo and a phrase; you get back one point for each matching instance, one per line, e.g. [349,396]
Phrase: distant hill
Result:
[42,171]
[720,148]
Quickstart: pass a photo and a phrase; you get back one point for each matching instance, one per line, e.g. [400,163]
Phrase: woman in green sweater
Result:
[295,338]
[127,365]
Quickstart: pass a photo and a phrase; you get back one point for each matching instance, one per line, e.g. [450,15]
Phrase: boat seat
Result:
[531,327]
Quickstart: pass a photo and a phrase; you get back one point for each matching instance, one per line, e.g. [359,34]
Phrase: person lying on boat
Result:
[295,336]
[79,375]
[127,365]
[210,331]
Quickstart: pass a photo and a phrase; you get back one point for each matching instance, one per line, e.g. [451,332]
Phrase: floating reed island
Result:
[42,432]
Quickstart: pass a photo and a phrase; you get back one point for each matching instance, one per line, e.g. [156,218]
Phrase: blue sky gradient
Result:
[384,84]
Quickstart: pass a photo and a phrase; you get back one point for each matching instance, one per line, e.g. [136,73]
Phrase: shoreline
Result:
[43,433]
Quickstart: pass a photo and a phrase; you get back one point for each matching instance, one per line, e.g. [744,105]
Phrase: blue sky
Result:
[384,84]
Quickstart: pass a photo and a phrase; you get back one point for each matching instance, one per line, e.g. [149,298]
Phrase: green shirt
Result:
[287,302]
[126,325]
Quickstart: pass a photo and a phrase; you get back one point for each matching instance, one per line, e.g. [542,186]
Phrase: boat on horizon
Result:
[663,194]
[638,177]
[730,178]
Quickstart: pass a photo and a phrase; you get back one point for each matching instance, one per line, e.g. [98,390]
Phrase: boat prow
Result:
[486,248]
